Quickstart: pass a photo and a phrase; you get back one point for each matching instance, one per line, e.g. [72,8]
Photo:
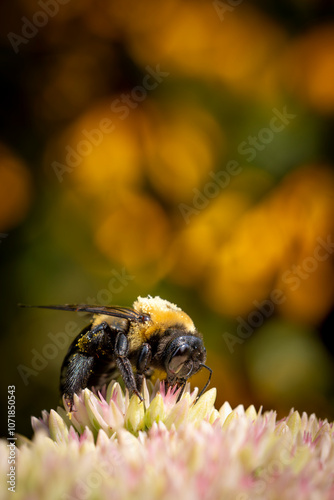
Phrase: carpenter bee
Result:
[152,335]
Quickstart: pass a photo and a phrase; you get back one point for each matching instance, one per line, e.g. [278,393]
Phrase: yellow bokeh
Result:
[102,153]
[173,148]
[196,245]
[182,144]
[308,68]
[238,52]
[136,234]
[269,240]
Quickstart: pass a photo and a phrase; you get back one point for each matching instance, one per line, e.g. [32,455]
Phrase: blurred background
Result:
[181,149]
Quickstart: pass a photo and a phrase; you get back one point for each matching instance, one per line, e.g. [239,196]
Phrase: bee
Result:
[152,335]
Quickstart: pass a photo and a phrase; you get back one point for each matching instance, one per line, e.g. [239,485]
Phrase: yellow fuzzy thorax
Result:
[163,315]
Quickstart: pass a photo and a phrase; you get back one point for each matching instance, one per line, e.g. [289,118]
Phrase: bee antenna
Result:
[208,382]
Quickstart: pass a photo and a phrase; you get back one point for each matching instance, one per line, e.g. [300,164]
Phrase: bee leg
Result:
[124,365]
[143,361]
[79,364]
[78,372]
[182,386]
[176,385]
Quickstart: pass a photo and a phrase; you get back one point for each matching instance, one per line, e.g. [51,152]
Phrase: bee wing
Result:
[116,311]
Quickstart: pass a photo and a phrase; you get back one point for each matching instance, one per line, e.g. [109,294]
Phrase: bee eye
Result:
[180,356]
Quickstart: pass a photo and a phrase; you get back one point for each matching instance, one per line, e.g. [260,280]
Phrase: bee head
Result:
[185,355]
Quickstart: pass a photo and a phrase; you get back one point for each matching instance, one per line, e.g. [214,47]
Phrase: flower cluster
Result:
[114,446]
[113,410]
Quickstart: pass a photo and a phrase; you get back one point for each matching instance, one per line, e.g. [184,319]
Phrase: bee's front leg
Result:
[143,362]
[121,350]
[179,384]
